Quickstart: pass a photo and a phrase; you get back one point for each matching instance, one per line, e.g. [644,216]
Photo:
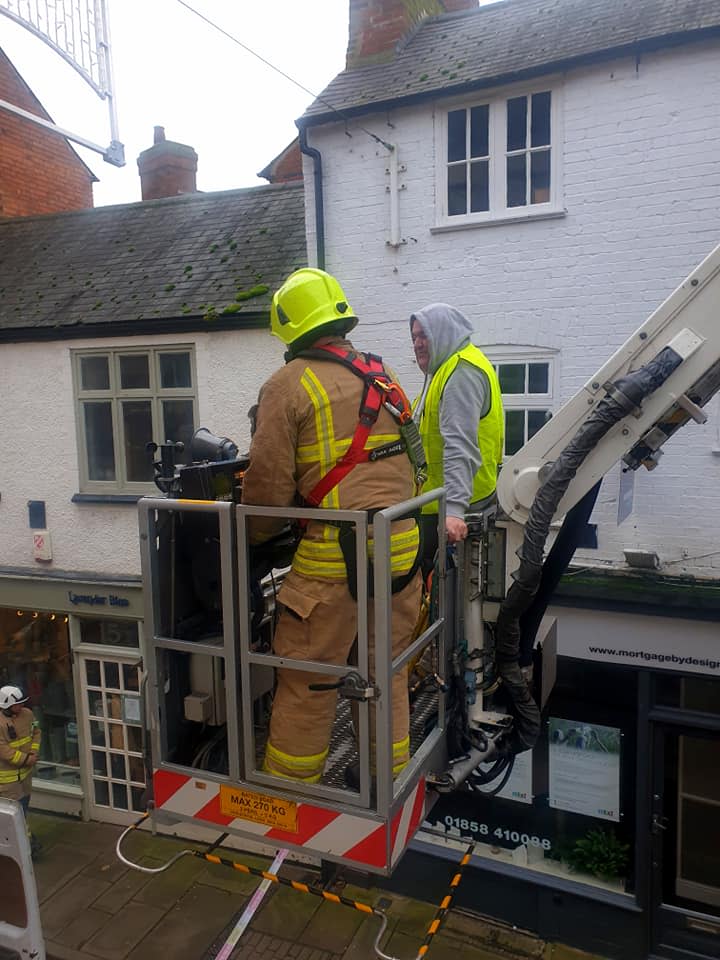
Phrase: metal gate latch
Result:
[352,685]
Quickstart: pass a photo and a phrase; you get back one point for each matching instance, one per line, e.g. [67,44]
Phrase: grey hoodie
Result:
[465,399]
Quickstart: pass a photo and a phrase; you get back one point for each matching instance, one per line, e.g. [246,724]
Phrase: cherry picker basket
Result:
[211,676]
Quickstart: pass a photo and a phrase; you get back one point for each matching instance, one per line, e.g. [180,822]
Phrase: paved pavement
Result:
[94,908]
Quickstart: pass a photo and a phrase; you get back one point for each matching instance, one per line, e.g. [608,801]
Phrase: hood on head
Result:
[446,329]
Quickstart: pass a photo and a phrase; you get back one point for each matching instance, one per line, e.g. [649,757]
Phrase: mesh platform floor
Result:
[343,750]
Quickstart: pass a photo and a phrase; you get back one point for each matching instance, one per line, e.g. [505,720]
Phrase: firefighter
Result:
[312,447]
[19,748]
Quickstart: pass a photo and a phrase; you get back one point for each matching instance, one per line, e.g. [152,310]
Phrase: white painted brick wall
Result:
[642,193]
[37,425]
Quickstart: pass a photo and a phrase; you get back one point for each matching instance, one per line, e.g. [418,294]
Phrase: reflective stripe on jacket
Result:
[18,737]
[306,419]
[490,431]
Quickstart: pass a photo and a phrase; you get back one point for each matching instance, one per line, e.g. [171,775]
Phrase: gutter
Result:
[316,158]
[130,328]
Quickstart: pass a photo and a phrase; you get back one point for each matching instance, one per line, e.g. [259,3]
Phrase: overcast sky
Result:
[173,70]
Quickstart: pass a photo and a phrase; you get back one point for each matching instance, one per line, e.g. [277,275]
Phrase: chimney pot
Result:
[159,135]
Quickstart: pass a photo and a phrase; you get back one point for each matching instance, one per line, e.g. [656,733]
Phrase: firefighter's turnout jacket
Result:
[19,736]
[306,419]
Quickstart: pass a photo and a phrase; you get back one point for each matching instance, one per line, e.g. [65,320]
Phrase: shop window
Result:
[699,694]
[111,633]
[125,399]
[568,808]
[35,655]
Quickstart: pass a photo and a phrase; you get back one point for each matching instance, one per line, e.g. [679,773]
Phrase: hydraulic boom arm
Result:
[688,322]
[655,383]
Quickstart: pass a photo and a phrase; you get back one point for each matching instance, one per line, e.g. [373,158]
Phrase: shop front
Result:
[607,835]
[75,648]
[685,816]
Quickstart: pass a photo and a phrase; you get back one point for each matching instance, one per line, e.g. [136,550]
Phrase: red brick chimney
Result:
[167,169]
[376,26]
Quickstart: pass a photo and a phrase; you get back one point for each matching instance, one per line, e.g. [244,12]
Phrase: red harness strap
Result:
[373,373]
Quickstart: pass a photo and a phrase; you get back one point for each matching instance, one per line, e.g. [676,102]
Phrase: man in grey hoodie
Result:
[459,413]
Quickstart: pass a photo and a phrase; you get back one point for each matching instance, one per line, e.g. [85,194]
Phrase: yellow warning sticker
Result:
[260,808]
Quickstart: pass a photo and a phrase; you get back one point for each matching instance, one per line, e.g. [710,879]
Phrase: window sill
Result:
[110,498]
[56,786]
[428,844]
[449,227]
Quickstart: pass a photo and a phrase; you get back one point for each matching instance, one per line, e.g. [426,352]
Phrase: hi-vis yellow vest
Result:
[491,428]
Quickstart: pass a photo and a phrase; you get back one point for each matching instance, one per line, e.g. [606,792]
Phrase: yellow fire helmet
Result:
[309,300]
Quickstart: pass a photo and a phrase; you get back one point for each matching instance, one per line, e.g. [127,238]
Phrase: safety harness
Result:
[379,391]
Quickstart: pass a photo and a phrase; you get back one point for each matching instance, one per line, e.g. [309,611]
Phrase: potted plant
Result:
[600,853]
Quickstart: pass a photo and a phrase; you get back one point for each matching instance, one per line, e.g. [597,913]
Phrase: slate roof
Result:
[192,262]
[509,40]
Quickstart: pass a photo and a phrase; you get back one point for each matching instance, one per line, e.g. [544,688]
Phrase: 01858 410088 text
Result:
[488,834]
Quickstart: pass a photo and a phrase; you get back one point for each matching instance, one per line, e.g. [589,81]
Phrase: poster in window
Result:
[519,783]
[584,768]
[131,709]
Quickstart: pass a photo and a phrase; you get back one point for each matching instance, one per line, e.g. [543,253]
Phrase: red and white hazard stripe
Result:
[321,830]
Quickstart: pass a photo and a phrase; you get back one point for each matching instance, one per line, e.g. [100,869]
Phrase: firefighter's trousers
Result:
[319,622]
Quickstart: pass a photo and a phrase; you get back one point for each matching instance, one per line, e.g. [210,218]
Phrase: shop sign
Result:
[97,599]
[41,593]
[636,640]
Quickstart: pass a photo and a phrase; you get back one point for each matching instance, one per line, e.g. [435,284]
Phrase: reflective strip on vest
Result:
[491,428]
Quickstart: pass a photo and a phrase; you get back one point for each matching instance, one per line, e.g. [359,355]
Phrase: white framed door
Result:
[112,719]
[686,842]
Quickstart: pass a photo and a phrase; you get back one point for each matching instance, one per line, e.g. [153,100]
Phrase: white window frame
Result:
[525,354]
[499,212]
[155,393]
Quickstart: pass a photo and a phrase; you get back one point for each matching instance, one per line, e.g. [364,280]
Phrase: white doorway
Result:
[112,718]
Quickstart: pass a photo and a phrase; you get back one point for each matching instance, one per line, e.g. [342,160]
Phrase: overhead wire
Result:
[216,26]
